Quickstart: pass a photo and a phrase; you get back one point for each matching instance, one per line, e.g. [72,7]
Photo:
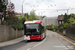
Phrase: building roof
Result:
[60,17]
[19,14]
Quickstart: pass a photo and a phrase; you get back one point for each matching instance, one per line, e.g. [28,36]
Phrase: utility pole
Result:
[41,14]
[68,10]
[22,8]
[22,11]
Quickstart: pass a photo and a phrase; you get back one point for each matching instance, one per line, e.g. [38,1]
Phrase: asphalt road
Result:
[51,42]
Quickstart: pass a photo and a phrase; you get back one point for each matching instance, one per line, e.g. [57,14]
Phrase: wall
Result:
[8,33]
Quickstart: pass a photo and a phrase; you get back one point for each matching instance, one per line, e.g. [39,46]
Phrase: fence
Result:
[60,30]
[8,33]
[70,32]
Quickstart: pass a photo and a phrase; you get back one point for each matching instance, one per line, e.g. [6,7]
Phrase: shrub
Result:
[60,26]
[55,28]
[66,25]
[17,26]
[11,20]
[51,26]
[15,22]
[57,31]
[48,27]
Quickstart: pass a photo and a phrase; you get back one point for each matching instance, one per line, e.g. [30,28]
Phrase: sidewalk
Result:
[11,42]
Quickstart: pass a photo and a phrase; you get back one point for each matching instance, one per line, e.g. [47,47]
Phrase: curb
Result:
[11,42]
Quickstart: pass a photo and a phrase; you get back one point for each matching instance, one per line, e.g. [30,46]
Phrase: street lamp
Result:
[22,8]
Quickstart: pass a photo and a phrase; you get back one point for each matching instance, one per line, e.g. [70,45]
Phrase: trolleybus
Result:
[34,30]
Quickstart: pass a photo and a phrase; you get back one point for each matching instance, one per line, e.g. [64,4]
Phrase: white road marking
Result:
[39,43]
[28,48]
[36,44]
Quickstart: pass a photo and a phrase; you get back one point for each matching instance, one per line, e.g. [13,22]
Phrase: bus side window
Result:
[42,29]
[24,29]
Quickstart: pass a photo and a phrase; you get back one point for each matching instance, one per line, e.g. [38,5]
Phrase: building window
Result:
[60,22]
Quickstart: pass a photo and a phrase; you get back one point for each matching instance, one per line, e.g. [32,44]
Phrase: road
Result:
[52,42]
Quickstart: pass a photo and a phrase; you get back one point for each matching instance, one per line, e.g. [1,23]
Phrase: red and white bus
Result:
[34,30]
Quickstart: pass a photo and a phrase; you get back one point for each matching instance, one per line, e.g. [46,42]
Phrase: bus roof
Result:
[34,21]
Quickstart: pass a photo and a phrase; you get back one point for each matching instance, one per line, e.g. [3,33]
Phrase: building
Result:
[50,20]
[19,14]
[60,19]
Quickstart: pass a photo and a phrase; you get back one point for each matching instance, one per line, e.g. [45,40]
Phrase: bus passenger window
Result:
[42,29]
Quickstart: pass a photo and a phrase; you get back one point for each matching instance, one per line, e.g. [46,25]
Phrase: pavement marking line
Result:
[36,44]
[55,36]
[66,39]
[39,43]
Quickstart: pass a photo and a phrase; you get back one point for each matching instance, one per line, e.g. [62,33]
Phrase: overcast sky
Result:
[49,8]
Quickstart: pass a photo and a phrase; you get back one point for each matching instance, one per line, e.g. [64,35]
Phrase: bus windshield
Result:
[32,29]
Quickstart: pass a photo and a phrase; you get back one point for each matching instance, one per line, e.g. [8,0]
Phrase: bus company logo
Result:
[27,24]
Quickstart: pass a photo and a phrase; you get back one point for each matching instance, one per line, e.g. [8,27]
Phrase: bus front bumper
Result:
[32,38]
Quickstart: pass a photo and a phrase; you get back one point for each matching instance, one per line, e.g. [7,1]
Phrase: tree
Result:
[43,16]
[20,17]
[26,15]
[51,26]
[55,27]
[11,8]
[32,15]
[66,25]
[10,18]
[71,20]
[2,6]
[65,18]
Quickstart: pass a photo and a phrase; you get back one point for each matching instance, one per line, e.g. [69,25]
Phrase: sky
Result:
[49,8]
